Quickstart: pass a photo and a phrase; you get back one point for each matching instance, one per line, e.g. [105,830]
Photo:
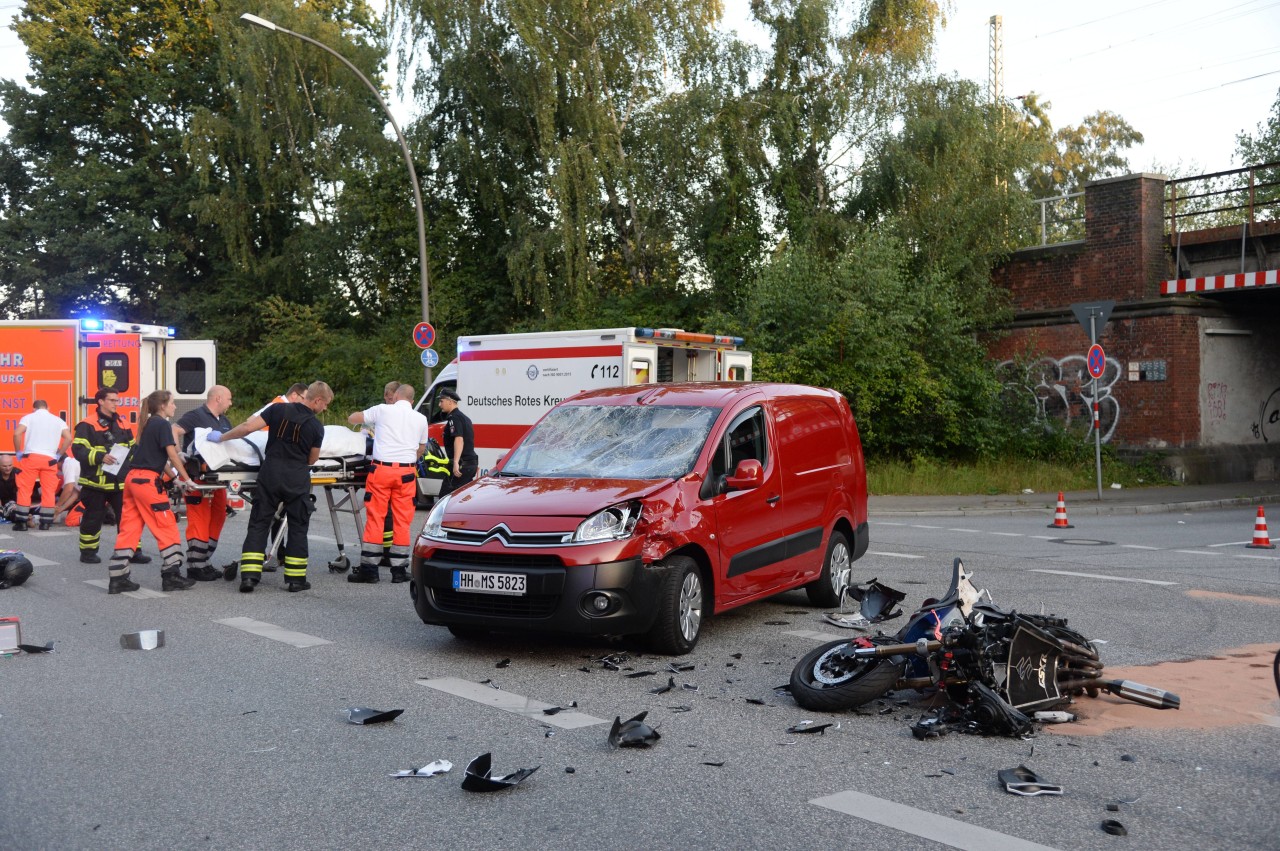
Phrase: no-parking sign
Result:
[1097,361]
[424,334]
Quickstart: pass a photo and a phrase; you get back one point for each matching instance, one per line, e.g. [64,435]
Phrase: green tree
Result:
[1075,154]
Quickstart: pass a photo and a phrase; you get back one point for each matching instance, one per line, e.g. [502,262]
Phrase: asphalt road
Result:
[227,738]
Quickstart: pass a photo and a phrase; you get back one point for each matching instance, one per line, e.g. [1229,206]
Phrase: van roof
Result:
[709,394]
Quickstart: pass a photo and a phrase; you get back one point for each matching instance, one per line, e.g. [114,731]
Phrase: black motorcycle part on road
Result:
[826,680]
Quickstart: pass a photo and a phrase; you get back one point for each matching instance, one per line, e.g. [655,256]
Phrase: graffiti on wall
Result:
[1063,391]
[1268,425]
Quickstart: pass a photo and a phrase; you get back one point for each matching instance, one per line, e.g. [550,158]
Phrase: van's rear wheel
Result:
[837,572]
[681,603]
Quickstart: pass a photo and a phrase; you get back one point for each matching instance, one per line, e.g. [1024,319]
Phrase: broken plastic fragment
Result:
[146,639]
[503,663]
[850,621]
[478,777]
[808,727]
[1024,781]
[36,648]
[715,764]
[431,769]
[1114,828]
[671,683]
[364,715]
[877,600]
[677,668]
[755,701]
[638,674]
[632,733]
[681,708]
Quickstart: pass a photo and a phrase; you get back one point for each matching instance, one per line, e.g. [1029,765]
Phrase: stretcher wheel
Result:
[340,565]
[229,570]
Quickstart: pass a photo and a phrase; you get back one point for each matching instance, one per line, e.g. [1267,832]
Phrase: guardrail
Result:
[1230,198]
[1061,218]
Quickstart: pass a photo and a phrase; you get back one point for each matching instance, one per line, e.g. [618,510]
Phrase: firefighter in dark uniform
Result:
[459,443]
[101,438]
[293,445]
[206,512]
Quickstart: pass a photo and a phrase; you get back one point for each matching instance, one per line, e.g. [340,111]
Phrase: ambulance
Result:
[508,381]
[65,362]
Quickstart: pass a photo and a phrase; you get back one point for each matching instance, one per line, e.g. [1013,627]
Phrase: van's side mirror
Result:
[750,474]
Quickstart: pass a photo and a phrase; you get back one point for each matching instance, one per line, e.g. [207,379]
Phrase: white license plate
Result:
[477,582]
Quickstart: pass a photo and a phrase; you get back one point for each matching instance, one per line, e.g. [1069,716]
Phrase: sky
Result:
[1188,74]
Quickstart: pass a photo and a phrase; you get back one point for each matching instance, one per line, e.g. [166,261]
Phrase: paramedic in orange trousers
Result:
[39,439]
[206,510]
[146,499]
[399,440]
[293,445]
[388,529]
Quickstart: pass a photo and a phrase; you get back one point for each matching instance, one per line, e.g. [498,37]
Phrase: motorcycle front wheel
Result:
[827,680]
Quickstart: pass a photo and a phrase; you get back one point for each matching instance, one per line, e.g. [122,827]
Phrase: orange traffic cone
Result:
[1060,516]
[1261,540]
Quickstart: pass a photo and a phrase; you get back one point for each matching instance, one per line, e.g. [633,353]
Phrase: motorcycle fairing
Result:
[1031,669]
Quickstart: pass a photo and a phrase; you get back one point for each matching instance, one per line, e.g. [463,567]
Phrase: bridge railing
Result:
[1223,199]
[1060,218]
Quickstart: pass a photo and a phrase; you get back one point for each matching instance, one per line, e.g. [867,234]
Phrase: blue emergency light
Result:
[90,324]
[170,331]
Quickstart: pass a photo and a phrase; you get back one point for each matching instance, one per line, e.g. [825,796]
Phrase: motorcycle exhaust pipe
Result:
[1146,695]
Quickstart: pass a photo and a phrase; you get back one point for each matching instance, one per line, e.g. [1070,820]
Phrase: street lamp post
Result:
[424,274]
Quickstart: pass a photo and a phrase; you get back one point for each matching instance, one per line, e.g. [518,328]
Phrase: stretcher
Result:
[340,471]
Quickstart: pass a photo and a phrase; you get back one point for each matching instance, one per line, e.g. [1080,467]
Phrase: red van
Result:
[640,510]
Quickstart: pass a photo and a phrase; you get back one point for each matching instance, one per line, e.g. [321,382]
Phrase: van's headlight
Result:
[431,529]
[612,524]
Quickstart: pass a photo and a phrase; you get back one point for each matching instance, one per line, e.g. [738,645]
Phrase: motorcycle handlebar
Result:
[923,647]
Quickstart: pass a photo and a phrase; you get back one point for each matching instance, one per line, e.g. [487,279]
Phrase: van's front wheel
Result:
[837,572]
[681,604]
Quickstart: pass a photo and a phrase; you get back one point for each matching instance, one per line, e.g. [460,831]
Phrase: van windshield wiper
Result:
[512,474]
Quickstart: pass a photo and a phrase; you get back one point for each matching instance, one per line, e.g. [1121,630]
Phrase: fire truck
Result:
[65,362]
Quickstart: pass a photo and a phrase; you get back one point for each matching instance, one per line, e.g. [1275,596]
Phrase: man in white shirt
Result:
[399,439]
[39,439]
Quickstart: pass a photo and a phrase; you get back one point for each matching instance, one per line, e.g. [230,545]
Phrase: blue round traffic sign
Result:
[424,335]
[430,358]
[1097,361]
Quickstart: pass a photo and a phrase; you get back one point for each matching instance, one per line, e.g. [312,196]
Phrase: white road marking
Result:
[1101,576]
[36,561]
[891,555]
[1045,537]
[978,531]
[140,594]
[1231,544]
[1007,534]
[510,702]
[311,537]
[1197,553]
[1137,547]
[922,526]
[1264,558]
[888,523]
[818,635]
[275,633]
[62,533]
[946,831]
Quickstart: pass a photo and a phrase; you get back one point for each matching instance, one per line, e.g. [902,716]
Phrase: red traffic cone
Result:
[1060,516]
[1261,541]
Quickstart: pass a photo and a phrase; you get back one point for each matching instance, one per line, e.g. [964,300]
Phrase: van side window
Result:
[746,438]
[190,378]
[430,407]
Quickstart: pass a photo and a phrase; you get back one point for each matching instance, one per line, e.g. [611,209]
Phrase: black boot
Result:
[203,574]
[173,580]
[297,585]
[365,575]
[90,557]
[46,525]
[139,558]
[20,526]
[247,583]
[121,584]
[399,574]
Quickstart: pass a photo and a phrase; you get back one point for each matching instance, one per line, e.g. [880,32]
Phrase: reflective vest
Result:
[434,463]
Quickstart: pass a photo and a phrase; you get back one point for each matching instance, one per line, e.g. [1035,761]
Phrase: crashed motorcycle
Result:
[998,667]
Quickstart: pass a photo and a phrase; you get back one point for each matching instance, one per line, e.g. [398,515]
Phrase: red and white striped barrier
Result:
[1222,283]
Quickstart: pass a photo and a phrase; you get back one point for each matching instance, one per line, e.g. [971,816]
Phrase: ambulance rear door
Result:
[735,366]
[190,369]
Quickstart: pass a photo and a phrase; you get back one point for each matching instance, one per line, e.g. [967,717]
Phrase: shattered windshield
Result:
[613,442]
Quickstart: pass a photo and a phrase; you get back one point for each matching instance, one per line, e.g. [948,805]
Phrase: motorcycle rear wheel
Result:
[824,681]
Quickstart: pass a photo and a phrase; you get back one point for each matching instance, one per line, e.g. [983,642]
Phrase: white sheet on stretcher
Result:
[339,442]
